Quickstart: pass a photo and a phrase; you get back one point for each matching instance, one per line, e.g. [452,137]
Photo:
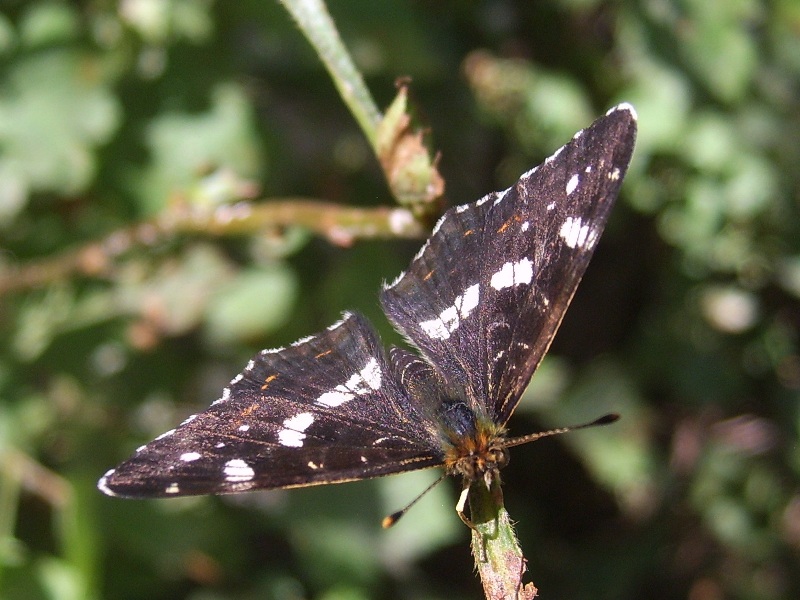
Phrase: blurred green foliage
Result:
[687,322]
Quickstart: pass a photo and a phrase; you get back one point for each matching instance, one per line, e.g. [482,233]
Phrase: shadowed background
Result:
[686,322]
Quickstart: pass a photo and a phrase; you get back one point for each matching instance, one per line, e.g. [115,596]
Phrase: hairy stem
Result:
[498,556]
[316,24]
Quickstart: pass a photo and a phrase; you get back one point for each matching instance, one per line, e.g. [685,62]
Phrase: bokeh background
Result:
[686,322]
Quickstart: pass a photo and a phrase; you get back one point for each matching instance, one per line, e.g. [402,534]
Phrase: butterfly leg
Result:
[462,504]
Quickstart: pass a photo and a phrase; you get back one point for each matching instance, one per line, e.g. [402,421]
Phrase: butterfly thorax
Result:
[474,445]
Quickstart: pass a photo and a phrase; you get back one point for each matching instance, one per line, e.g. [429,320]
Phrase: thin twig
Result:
[25,473]
[339,224]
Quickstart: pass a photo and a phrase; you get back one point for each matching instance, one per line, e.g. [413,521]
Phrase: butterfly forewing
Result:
[484,297]
[323,410]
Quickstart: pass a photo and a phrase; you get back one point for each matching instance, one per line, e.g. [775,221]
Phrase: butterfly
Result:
[480,304]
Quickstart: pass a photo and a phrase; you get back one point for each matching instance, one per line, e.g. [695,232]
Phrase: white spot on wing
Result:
[512,274]
[399,277]
[421,251]
[294,432]
[237,470]
[165,434]
[624,106]
[575,233]
[471,298]
[500,196]
[266,351]
[438,225]
[614,175]
[484,200]
[335,398]
[226,394]
[368,378]
[450,318]
[554,155]
[244,428]
[340,322]
[525,226]
[436,329]
[303,340]
[529,172]
[102,485]
[371,374]
[189,456]
[572,184]
[172,488]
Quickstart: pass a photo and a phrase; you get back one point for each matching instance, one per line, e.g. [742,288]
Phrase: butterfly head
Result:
[475,445]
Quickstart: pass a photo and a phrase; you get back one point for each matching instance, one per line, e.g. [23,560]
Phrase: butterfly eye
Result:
[498,456]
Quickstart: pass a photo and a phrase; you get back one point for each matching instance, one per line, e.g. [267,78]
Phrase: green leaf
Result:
[48,23]
[255,303]
[55,110]
[184,146]
[716,42]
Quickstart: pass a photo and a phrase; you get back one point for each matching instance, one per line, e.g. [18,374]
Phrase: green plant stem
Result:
[410,168]
[317,25]
[498,556]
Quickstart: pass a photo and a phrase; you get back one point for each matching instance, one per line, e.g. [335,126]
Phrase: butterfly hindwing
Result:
[324,410]
[483,298]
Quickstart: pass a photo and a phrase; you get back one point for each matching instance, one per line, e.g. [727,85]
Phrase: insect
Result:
[480,302]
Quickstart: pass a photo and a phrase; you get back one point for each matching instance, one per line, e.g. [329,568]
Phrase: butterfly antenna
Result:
[532,437]
[395,516]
